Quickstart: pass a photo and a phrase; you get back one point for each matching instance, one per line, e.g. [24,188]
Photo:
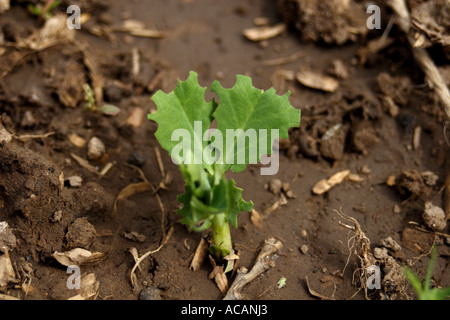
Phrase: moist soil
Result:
[369,125]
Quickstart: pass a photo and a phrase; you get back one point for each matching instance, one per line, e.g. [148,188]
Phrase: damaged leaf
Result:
[77,256]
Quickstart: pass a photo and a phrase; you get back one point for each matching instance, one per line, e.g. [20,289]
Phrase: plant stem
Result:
[221,234]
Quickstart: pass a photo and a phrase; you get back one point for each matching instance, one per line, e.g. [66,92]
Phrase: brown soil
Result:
[381,100]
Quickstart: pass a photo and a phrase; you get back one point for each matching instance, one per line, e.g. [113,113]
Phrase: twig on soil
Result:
[262,264]
[447,192]
[86,165]
[280,61]
[166,238]
[130,190]
[317,294]
[160,163]
[428,231]
[146,185]
[33,136]
[7,297]
[427,65]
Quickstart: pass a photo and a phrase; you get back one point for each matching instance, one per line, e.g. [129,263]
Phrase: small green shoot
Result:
[210,199]
[424,290]
[281,283]
[107,109]
[40,11]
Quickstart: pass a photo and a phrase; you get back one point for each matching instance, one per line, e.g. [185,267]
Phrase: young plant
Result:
[91,104]
[423,290]
[205,154]
[44,11]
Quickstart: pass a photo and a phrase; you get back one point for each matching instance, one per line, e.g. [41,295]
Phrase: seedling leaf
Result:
[109,109]
[178,111]
[249,109]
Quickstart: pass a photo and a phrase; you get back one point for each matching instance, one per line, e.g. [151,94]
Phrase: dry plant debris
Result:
[263,263]
[77,256]
[89,288]
[326,184]
[4,5]
[393,283]
[200,254]
[315,80]
[265,32]
[422,57]
[7,274]
[434,217]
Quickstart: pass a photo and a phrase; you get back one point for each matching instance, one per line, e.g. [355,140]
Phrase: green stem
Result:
[221,234]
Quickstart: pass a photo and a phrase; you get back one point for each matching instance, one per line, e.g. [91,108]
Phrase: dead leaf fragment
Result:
[200,254]
[136,117]
[77,257]
[219,277]
[8,240]
[75,181]
[256,219]
[76,140]
[315,80]
[326,184]
[89,288]
[5,135]
[134,236]
[353,177]
[4,5]
[54,31]
[265,32]
[138,29]
[130,190]
[390,182]
[315,293]
[7,274]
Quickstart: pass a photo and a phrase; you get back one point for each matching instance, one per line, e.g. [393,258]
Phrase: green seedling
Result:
[210,199]
[107,109]
[424,290]
[281,283]
[38,9]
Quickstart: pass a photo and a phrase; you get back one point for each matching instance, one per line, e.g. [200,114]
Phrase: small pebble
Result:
[137,159]
[57,216]
[390,244]
[150,293]
[275,186]
[28,120]
[434,217]
[73,181]
[380,253]
[304,249]
[96,149]
[164,285]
